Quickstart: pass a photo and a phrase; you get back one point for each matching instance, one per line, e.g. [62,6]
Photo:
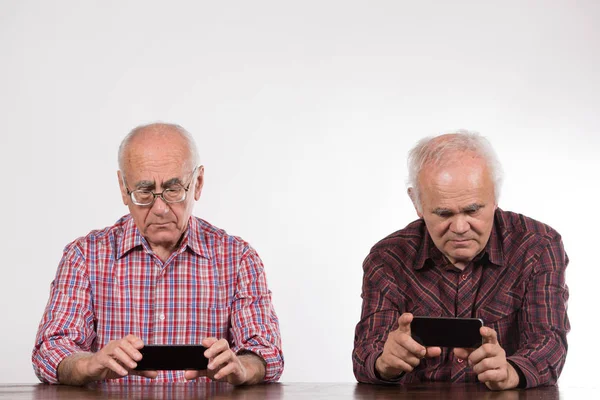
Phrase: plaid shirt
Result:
[109,284]
[516,285]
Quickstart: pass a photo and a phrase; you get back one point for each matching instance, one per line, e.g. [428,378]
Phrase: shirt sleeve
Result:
[254,324]
[543,321]
[379,316]
[67,325]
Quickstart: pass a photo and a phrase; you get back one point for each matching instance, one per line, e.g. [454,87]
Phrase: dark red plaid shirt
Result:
[516,285]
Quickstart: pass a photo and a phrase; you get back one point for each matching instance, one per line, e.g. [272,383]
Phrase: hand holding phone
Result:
[401,353]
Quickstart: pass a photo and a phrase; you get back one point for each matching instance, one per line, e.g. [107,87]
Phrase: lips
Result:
[460,242]
[160,225]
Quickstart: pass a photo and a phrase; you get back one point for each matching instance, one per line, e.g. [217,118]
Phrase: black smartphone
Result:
[446,332]
[172,357]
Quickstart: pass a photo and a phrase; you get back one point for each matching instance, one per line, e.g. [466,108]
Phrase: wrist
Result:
[384,374]
[255,367]
[513,380]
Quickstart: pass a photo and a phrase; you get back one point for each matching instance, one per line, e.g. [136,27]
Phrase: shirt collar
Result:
[429,254]
[193,239]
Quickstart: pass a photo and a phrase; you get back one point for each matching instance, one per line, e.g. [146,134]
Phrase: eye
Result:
[143,195]
[173,194]
[472,211]
[443,214]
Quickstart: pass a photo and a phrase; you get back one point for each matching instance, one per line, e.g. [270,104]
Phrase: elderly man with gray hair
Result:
[464,258]
[158,276]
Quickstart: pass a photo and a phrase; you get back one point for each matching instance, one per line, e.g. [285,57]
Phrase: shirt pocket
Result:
[501,314]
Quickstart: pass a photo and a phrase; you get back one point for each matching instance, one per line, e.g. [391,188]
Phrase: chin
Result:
[163,237]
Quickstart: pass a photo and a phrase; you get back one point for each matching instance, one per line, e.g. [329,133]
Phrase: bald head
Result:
[154,140]
[453,148]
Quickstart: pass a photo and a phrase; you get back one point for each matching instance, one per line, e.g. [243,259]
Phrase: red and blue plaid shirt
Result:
[516,285]
[110,284]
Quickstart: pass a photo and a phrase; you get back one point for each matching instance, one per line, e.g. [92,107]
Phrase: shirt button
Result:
[460,360]
[161,317]
[464,277]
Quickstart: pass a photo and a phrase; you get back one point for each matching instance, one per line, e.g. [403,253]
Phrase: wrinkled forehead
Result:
[157,158]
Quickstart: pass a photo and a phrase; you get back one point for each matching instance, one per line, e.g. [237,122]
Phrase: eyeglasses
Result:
[143,197]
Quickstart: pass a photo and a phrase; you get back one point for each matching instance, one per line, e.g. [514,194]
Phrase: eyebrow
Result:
[151,184]
[469,208]
[171,182]
[145,185]
[473,207]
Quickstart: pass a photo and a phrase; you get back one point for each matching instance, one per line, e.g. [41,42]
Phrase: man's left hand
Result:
[489,362]
[226,366]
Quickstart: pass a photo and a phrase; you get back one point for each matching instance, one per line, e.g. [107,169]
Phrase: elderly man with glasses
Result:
[158,276]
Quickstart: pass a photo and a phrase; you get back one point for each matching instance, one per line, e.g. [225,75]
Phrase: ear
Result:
[124,194]
[411,194]
[199,183]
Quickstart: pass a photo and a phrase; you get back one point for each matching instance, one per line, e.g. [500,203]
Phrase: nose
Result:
[459,225]
[159,207]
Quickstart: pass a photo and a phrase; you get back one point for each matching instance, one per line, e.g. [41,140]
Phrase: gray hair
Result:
[436,152]
[163,127]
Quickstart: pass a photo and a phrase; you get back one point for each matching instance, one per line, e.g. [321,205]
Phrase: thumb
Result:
[489,335]
[404,323]
[207,342]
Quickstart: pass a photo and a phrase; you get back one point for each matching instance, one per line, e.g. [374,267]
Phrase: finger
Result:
[431,352]
[486,364]
[147,374]
[489,335]
[134,341]
[404,323]
[400,365]
[123,358]
[131,350]
[207,342]
[114,366]
[398,351]
[229,369]
[404,341]
[194,374]
[462,353]
[216,348]
[493,375]
[221,360]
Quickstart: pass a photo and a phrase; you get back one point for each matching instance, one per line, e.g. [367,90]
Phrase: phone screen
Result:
[172,357]
[447,332]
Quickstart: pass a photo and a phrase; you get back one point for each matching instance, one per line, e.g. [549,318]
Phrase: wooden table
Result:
[213,390]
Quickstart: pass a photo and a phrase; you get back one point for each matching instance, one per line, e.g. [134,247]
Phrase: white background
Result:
[303,112]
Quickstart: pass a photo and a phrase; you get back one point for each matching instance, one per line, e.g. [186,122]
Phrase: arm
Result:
[62,352]
[543,324]
[256,353]
[115,360]
[380,312]
[543,320]
[67,326]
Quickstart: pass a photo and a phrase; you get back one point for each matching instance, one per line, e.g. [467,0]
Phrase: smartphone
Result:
[172,357]
[446,332]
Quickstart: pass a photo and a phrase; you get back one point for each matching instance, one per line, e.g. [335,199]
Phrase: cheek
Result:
[437,229]
[482,225]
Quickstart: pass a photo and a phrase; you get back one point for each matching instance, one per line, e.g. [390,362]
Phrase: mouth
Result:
[160,225]
[460,242]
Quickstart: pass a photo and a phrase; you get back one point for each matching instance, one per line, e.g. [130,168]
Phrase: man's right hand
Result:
[115,360]
[401,353]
